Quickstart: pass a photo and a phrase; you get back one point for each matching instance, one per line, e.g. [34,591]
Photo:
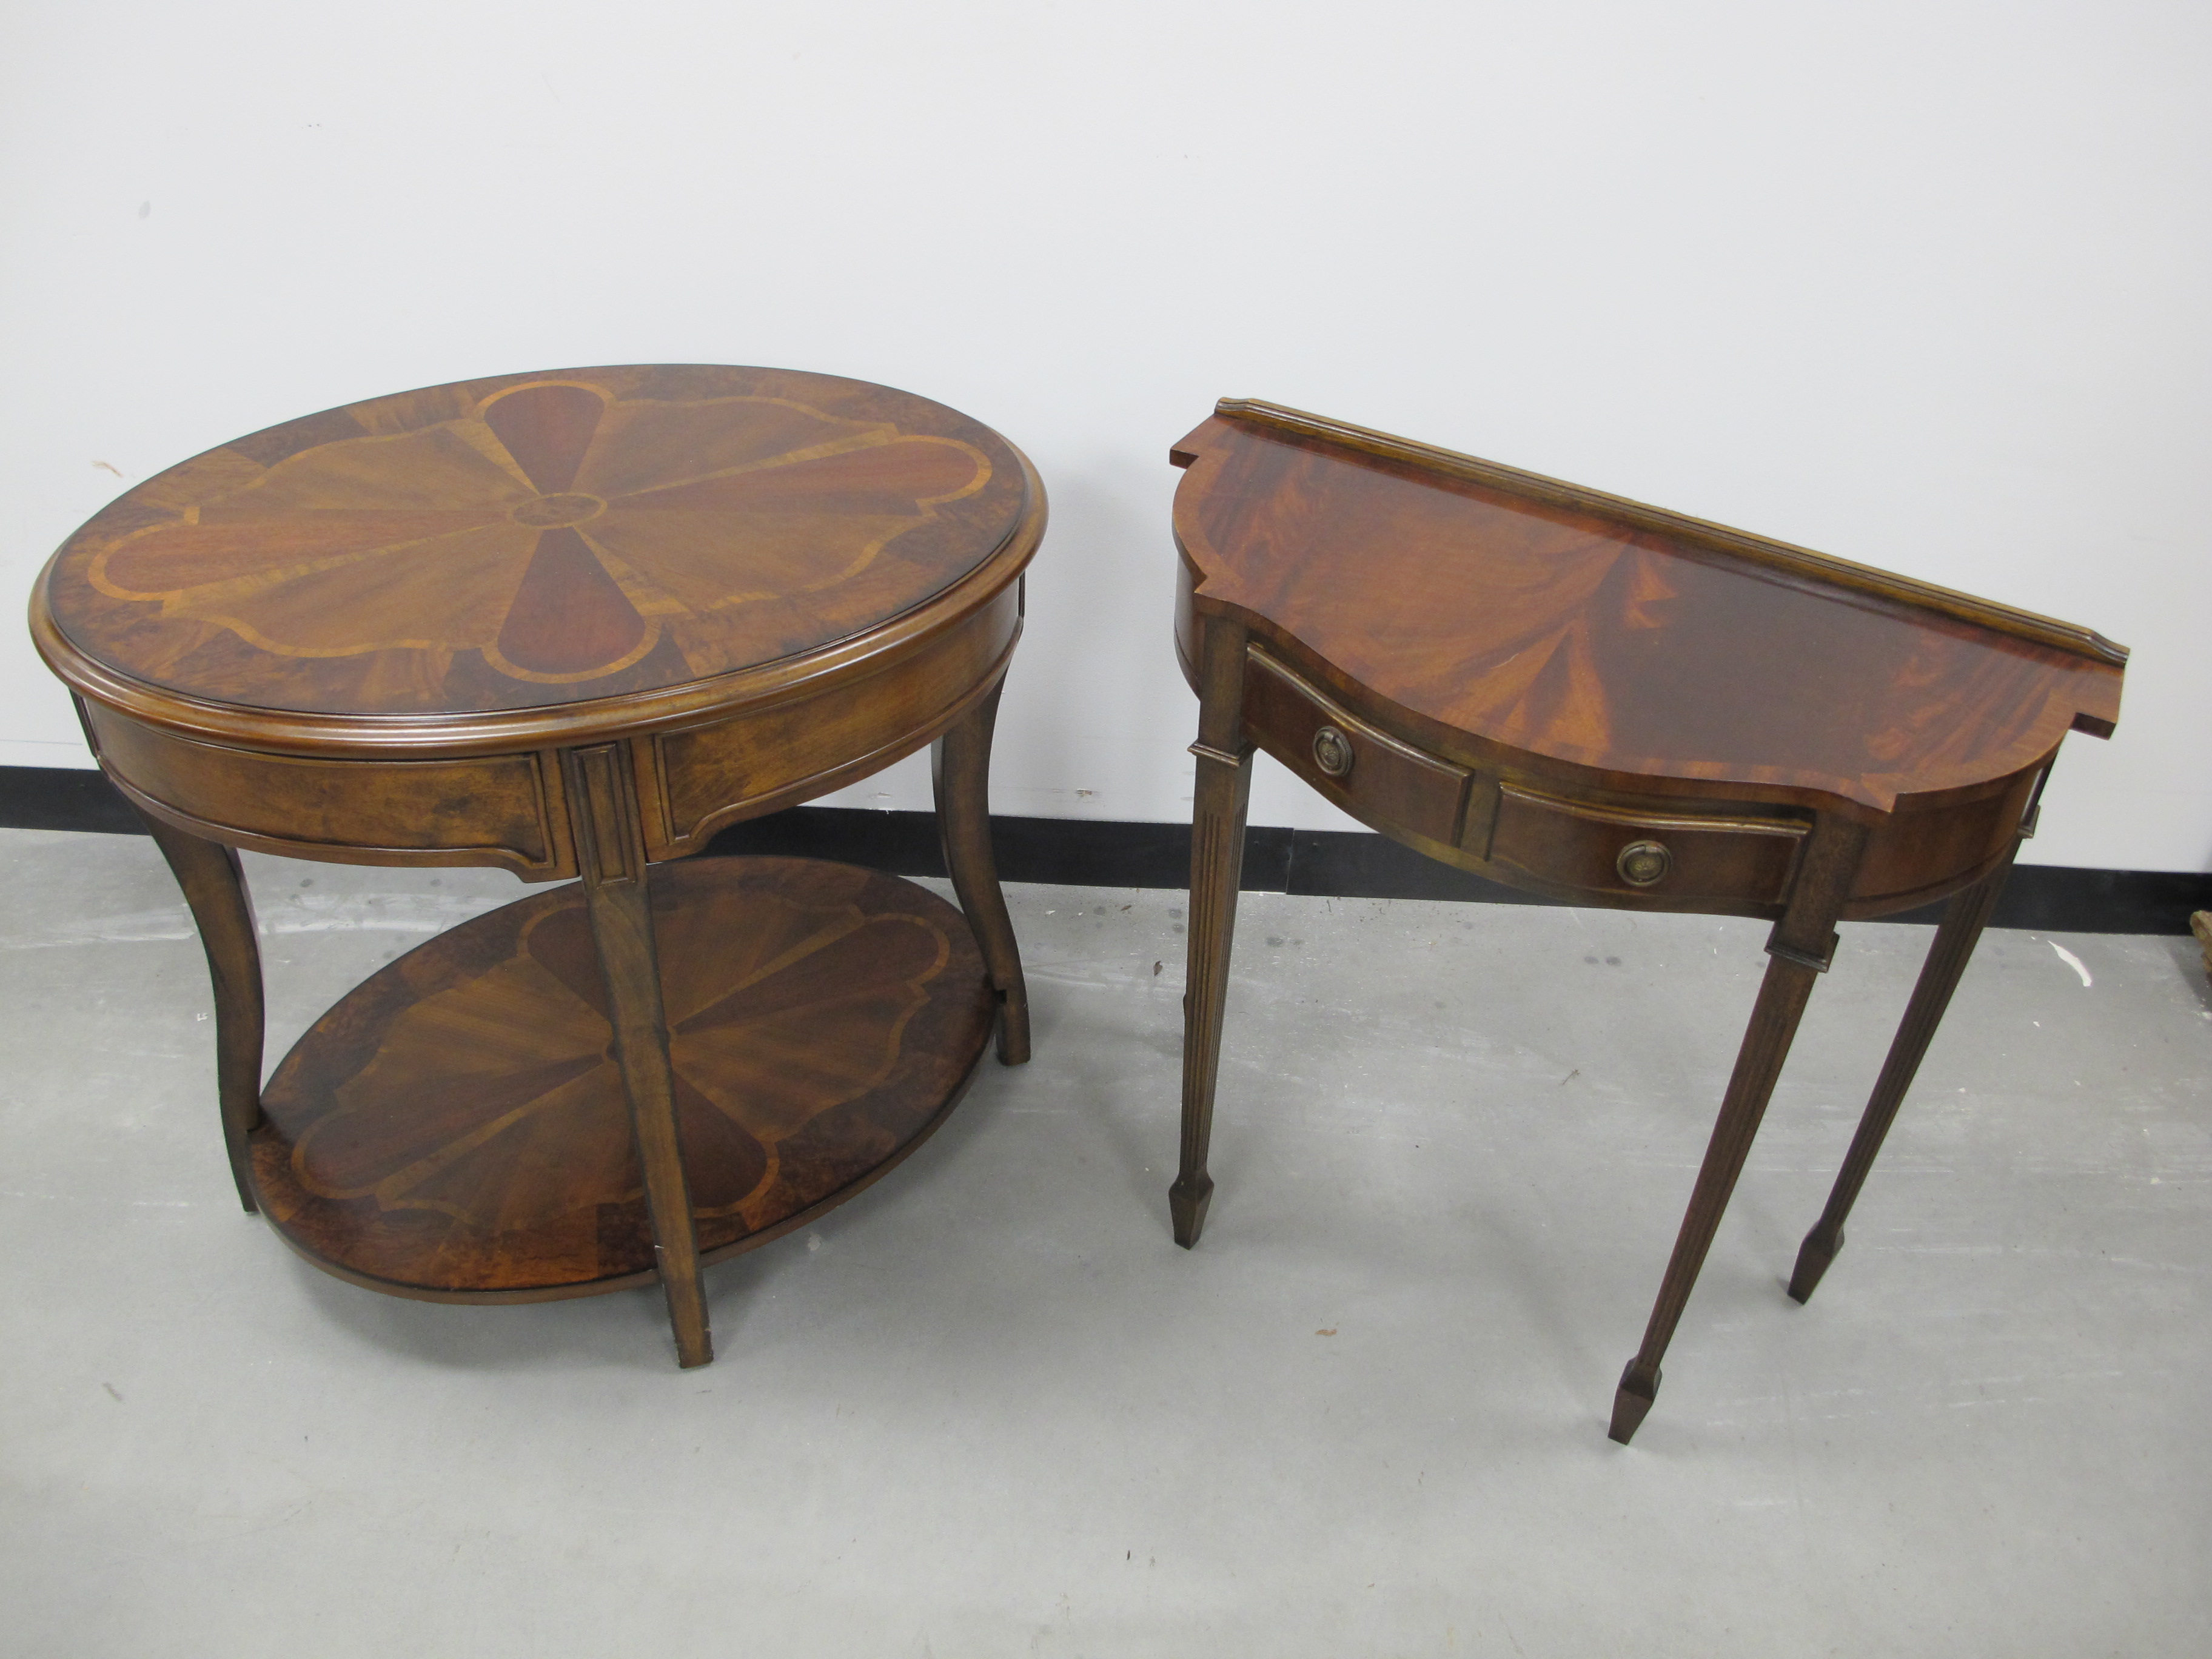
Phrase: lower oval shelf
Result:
[455,1128]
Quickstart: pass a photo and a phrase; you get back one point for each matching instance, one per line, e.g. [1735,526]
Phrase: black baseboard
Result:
[64,798]
[1320,863]
[1348,864]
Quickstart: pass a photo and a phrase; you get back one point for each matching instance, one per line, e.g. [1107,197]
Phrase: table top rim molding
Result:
[437,737]
[458,733]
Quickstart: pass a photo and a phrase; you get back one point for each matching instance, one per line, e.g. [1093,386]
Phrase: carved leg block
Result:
[1188,1199]
[1639,1387]
[960,770]
[1813,1256]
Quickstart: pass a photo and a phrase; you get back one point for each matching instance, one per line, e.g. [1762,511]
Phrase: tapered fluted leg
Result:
[1800,946]
[214,887]
[1782,999]
[960,770]
[1217,864]
[1964,918]
[610,854]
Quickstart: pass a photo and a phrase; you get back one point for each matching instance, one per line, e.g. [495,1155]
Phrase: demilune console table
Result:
[570,625]
[1614,705]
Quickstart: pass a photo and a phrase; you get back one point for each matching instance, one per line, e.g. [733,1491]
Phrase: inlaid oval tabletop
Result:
[457,1126]
[537,539]
[1564,622]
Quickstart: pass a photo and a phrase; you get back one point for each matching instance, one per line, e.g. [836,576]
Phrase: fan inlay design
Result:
[479,1114]
[586,534]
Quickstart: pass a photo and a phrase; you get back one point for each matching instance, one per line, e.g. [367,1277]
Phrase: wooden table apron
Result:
[1613,705]
[739,589]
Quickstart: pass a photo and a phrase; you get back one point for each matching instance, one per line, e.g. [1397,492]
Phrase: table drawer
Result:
[705,776]
[1369,773]
[491,809]
[1667,857]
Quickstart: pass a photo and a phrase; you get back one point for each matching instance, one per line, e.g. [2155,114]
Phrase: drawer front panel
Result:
[1667,858]
[1918,856]
[1371,774]
[488,811]
[710,775]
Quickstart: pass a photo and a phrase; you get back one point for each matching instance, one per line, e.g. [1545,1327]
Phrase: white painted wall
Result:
[1923,285]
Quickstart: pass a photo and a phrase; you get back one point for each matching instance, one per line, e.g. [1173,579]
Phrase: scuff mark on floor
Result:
[2071,961]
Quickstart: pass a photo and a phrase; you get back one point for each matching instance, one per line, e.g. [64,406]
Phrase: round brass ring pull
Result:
[1332,751]
[1644,863]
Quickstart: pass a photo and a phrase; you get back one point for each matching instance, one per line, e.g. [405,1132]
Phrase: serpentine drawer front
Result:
[1369,773]
[1605,852]
[1614,705]
[1574,848]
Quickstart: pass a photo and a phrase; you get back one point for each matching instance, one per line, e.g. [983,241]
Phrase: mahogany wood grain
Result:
[1495,609]
[1612,704]
[1793,564]
[456,1129]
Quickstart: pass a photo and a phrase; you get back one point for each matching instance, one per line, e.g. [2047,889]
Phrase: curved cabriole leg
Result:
[1964,918]
[214,887]
[960,774]
[610,856]
[1800,947]
[1217,864]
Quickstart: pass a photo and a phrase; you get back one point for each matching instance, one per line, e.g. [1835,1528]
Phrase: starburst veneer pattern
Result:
[504,544]
[458,1123]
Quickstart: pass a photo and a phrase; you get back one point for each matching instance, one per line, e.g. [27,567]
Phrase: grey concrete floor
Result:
[988,1408]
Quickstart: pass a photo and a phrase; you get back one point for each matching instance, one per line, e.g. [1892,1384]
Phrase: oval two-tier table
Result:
[1613,705]
[571,625]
